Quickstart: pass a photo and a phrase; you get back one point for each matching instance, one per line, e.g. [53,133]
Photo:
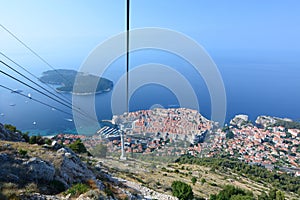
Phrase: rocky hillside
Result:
[52,172]
[8,135]
[52,168]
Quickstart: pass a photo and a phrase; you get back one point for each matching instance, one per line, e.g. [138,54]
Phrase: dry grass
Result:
[161,180]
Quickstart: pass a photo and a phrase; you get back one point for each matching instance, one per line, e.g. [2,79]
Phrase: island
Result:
[84,85]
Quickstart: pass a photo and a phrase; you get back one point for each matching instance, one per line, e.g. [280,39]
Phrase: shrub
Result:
[182,190]
[234,193]
[31,188]
[32,140]
[10,191]
[78,189]
[22,152]
[10,127]
[203,181]
[26,136]
[48,141]
[194,180]
[78,147]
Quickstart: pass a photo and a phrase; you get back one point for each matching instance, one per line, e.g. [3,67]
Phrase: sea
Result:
[255,85]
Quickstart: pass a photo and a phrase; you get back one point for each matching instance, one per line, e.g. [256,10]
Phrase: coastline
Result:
[83,94]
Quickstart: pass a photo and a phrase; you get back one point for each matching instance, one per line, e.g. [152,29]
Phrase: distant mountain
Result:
[74,82]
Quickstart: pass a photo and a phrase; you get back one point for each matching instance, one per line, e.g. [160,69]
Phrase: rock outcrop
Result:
[239,120]
[39,169]
[71,169]
[8,135]
[266,121]
[42,165]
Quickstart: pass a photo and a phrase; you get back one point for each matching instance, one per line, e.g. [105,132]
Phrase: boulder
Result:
[70,169]
[38,169]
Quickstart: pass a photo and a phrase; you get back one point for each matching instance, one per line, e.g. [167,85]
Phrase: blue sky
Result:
[255,44]
[70,29]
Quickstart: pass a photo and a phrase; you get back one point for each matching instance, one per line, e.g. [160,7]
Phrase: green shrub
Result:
[194,180]
[32,140]
[22,152]
[233,193]
[182,190]
[26,136]
[48,141]
[10,127]
[78,147]
[78,189]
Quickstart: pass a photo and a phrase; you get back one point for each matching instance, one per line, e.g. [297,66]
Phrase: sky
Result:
[70,29]
[236,34]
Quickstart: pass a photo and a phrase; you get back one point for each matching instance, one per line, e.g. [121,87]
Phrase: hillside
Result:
[38,168]
[53,171]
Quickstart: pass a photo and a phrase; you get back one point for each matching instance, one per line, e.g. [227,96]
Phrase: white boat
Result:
[29,95]
[2,114]
[16,91]
[53,109]
[34,123]
[69,120]
[12,104]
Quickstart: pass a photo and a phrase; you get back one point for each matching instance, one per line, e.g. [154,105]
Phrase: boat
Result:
[12,104]
[53,109]
[29,95]
[2,114]
[69,120]
[16,91]
[34,123]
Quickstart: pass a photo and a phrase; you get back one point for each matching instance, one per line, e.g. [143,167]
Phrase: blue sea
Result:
[255,85]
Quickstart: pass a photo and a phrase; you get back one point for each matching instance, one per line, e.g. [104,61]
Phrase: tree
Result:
[78,147]
[99,150]
[40,140]
[234,193]
[26,136]
[203,181]
[274,194]
[279,195]
[182,190]
[194,180]
[213,197]
[229,135]
[32,140]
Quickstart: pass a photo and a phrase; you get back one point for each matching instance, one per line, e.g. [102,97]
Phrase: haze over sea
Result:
[254,86]
[255,45]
